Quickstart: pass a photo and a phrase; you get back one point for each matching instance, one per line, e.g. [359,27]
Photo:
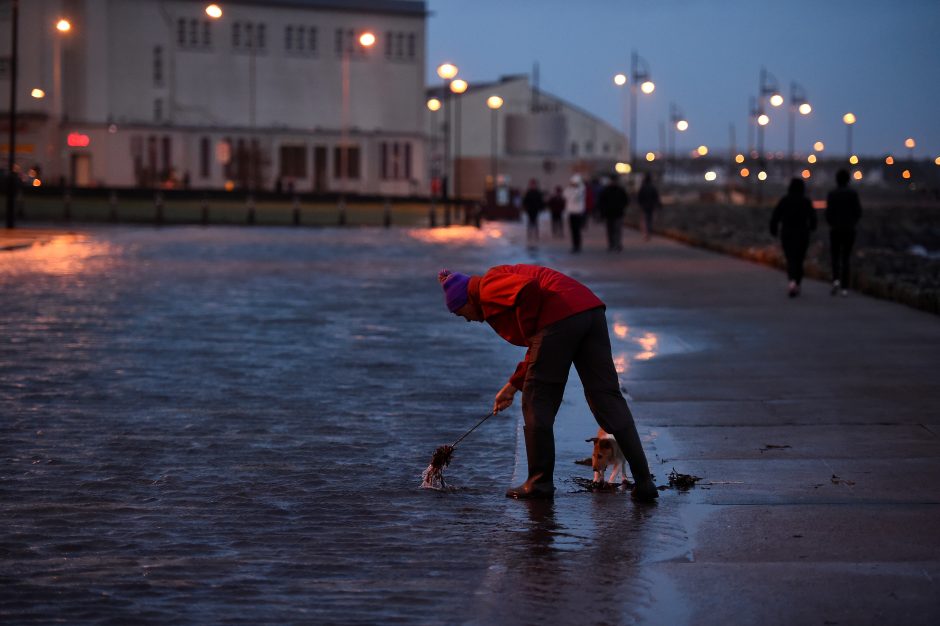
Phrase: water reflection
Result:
[458,234]
[63,255]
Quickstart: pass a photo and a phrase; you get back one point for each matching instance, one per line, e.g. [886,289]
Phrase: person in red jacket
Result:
[561,322]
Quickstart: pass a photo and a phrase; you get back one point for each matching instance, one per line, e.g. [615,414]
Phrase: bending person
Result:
[561,322]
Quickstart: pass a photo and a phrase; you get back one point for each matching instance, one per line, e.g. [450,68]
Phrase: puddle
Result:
[632,343]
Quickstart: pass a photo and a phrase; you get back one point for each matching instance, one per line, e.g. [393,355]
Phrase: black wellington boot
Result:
[644,489]
[540,454]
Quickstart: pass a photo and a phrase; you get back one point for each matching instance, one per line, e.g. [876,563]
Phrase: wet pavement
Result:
[229,425]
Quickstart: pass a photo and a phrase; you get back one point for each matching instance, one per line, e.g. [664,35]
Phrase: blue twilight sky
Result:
[879,59]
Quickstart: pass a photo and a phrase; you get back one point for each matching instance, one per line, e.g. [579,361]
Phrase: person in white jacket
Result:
[574,208]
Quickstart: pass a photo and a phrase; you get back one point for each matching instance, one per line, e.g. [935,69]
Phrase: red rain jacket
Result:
[520,300]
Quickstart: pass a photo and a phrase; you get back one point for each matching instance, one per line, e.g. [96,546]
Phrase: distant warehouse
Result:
[270,94]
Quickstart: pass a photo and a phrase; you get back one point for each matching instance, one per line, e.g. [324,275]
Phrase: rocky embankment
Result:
[896,256]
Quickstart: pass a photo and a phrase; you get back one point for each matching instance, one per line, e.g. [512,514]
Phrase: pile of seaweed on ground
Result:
[682,482]
[586,484]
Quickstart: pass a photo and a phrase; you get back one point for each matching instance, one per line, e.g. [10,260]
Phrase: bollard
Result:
[158,208]
[112,207]
[342,211]
[387,214]
[446,214]
[205,209]
[432,216]
[478,215]
[251,208]
[67,206]
[296,210]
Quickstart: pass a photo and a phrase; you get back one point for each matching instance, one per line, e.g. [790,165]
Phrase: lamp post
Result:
[768,90]
[12,177]
[849,120]
[677,122]
[494,103]
[910,144]
[434,105]
[640,73]
[366,40]
[798,104]
[63,27]
[457,87]
[447,72]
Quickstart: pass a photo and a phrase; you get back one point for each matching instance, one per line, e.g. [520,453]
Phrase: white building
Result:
[538,135]
[157,93]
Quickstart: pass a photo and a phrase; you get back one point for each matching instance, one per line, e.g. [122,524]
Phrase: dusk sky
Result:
[879,59]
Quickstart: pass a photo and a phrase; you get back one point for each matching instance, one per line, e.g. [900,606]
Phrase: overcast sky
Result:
[879,59]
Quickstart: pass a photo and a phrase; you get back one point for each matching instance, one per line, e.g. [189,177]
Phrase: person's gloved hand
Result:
[504,398]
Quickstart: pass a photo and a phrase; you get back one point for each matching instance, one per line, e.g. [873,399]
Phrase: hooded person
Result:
[561,322]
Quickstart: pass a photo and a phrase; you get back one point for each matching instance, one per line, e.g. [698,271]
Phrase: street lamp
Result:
[214,11]
[767,89]
[457,87]
[494,103]
[447,72]
[849,120]
[366,41]
[798,103]
[640,77]
[63,26]
[678,122]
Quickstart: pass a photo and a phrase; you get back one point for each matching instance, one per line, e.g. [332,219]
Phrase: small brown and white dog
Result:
[606,453]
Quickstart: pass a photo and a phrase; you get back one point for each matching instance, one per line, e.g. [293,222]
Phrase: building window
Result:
[312,39]
[389,37]
[288,38]
[206,34]
[294,161]
[262,36]
[383,160]
[574,149]
[249,36]
[158,66]
[588,147]
[204,157]
[407,161]
[167,157]
[338,41]
[400,46]
[395,161]
[181,32]
[158,110]
[237,35]
[352,162]
[606,147]
[300,38]
[411,45]
[193,33]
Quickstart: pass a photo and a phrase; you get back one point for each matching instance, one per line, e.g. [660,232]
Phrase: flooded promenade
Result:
[229,425]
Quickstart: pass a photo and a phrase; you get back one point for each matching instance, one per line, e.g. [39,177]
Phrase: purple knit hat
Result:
[455,288]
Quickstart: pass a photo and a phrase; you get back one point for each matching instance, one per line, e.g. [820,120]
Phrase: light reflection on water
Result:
[63,255]
[633,344]
[459,234]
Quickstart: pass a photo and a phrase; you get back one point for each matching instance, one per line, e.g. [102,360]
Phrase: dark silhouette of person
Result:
[574,207]
[556,205]
[795,218]
[648,199]
[533,202]
[612,203]
[843,210]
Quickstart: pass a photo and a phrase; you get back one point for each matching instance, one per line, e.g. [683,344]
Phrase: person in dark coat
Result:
[561,322]
[794,218]
[533,202]
[556,204]
[612,203]
[648,199]
[843,210]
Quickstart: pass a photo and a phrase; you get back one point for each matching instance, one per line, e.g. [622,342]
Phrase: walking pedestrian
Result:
[556,204]
[612,203]
[561,322]
[843,210]
[574,207]
[533,202]
[795,218]
[648,199]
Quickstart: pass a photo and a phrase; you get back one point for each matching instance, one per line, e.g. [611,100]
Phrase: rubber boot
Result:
[540,454]
[644,489]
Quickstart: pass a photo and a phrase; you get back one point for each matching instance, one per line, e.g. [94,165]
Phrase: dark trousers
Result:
[615,233]
[581,339]
[648,221]
[558,229]
[840,247]
[575,222]
[794,248]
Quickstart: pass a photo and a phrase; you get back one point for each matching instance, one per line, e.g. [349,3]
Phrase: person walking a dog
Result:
[561,322]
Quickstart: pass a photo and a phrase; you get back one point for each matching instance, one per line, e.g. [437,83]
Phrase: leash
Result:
[463,436]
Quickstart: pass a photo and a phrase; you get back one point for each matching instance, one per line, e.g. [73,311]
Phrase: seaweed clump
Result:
[433,476]
[682,482]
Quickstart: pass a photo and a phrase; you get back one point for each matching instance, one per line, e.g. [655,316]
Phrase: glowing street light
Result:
[702,150]
[214,11]
[447,71]
[434,104]
[857,175]
[906,174]
[806,173]
[798,103]
[936,161]
[805,108]
[910,143]
[620,80]
[367,39]
[626,168]
[648,87]
[776,100]
[650,156]
[682,126]
[494,102]
[739,158]
[745,172]
[853,159]
[63,26]
[458,85]
[38,93]
[763,120]
[710,176]
[811,158]
[640,79]
[761,175]
[849,118]
[889,160]
[819,146]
